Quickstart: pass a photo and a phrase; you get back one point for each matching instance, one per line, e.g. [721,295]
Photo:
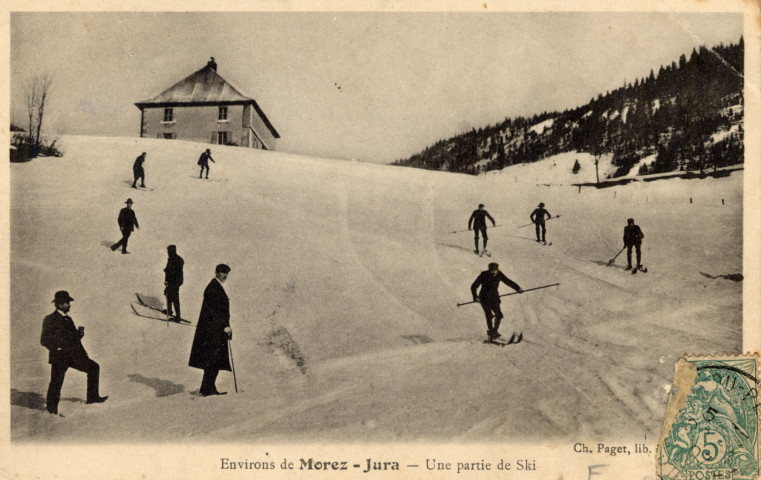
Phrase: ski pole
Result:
[610,262]
[232,364]
[515,293]
[532,223]
[468,230]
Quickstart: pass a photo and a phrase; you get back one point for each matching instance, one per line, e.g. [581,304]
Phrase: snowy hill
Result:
[344,284]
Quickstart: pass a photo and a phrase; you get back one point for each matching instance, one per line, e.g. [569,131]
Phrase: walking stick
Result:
[610,262]
[532,223]
[515,293]
[232,364]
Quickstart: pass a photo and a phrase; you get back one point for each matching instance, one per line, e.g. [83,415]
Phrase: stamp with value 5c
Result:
[710,431]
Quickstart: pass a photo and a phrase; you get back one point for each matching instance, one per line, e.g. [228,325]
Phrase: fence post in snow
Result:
[579,188]
[690,199]
[722,201]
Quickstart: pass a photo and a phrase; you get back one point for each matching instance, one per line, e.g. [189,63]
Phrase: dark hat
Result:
[129,201]
[62,296]
[208,150]
[222,268]
[172,248]
[629,221]
[541,204]
[480,205]
[493,266]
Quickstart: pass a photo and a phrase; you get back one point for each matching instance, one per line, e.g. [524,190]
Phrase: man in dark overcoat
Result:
[209,352]
[127,224]
[138,172]
[64,342]
[173,280]
[488,297]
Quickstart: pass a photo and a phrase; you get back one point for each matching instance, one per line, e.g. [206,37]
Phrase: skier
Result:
[203,161]
[138,172]
[172,281]
[127,223]
[64,342]
[209,352]
[478,220]
[633,238]
[537,217]
[488,297]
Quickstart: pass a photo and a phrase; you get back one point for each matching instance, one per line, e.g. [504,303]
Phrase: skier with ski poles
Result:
[488,297]
[203,161]
[633,238]
[478,220]
[538,218]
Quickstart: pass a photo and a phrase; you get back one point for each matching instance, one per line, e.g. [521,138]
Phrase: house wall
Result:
[198,124]
[252,121]
[244,127]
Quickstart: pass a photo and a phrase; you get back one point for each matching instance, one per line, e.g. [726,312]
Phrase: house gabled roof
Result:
[204,87]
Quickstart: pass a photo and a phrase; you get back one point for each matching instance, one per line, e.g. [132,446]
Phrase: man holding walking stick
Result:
[488,297]
[210,344]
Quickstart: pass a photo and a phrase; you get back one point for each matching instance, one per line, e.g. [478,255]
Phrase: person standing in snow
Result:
[538,218]
[209,351]
[64,342]
[203,161]
[488,297]
[127,224]
[478,220]
[173,280]
[633,238]
[138,172]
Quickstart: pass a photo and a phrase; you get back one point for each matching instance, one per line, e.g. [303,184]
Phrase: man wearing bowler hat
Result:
[127,224]
[209,351]
[64,342]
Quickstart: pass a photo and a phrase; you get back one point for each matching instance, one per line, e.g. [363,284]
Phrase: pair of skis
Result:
[142,309]
[514,340]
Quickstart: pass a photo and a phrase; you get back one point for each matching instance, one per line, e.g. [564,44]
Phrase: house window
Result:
[222,138]
[168,136]
[168,115]
[222,113]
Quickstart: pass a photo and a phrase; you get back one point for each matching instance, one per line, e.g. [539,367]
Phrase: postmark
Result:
[712,420]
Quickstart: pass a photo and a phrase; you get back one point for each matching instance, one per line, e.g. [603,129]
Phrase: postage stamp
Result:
[711,426]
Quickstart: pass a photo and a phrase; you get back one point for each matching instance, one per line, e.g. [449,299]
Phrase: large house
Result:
[204,107]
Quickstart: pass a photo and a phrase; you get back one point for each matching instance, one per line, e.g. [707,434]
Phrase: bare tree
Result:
[45,88]
[38,92]
[30,98]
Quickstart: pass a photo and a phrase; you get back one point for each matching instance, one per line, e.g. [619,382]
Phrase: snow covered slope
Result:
[344,284]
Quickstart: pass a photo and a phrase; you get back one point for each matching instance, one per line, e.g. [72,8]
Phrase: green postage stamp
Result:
[710,431]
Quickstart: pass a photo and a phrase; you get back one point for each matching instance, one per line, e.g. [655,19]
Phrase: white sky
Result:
[406,79]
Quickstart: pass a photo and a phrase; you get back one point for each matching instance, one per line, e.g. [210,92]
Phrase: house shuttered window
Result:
[168,115]
[222,113]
